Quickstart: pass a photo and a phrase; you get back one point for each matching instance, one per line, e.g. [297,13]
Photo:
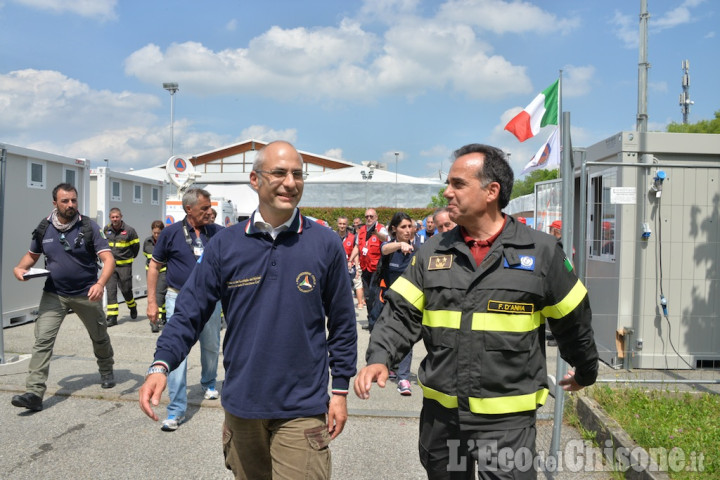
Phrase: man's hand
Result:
[19,272]
[337,415]
[377,372]
[152,311]
[150,393]
[96,292]
[568,382]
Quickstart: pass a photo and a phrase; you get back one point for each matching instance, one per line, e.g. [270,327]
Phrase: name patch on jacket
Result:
[510,307]
[243,282]
[440,262]
[526,263]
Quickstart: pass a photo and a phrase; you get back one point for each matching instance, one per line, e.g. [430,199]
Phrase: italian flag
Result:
[543,110]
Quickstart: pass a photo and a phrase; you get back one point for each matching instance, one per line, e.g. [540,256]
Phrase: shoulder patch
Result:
[440,262]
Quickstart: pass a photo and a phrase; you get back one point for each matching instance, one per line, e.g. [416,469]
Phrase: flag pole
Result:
[559,117]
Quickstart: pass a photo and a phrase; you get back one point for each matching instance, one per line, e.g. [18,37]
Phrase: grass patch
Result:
[688,423]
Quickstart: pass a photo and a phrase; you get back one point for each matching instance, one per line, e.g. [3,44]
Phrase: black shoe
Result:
[366,327]
[111,320]
[154,327]
[161,319]
[133,312]
[108,380]
[28,400]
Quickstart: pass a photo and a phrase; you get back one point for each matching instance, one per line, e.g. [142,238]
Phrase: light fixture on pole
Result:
[172,87]
[397,154]
[107,163]
[367,176]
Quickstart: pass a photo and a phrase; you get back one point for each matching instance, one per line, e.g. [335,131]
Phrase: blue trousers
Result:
[209,353]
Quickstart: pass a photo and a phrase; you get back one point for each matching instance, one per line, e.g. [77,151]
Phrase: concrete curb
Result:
[640,465]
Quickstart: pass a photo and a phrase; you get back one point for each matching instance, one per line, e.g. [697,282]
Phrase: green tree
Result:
[438,201]
[703,126]
[527,185]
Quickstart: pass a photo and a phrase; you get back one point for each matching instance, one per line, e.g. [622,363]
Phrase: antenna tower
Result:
[685,101]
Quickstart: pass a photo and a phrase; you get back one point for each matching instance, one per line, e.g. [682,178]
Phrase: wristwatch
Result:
[156,369]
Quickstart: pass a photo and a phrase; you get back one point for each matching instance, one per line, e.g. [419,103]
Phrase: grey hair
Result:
[191,197]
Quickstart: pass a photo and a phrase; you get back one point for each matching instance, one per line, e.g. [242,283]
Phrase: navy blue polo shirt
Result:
[172,250]
[72,271]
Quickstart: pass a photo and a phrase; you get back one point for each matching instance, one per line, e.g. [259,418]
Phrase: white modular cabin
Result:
[141,201]
[28,181]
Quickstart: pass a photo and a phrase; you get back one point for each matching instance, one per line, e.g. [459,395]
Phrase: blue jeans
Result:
[403,370]
[209,353]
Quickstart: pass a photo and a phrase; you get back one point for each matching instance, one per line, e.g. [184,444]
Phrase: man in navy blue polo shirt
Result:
[179,247]
[284,287]
[71,257]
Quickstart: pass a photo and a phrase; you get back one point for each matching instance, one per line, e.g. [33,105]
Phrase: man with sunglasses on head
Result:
[284,287]
[73,283]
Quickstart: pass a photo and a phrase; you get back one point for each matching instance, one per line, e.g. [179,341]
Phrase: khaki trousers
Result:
[51,313]
[282,449]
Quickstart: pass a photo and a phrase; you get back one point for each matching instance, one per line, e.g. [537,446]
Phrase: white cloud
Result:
[346,62]
[231,26]
[335,153]
[503,17]
[267,134]
[627,28]
[100,9]
[577,80]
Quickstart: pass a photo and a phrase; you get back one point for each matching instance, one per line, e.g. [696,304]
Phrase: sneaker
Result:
[28,400]
[171,423]
[211,394]
[404,388]
[133,312]
[392,375]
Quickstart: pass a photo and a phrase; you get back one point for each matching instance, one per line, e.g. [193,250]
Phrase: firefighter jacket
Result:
[124,244]
[484,326]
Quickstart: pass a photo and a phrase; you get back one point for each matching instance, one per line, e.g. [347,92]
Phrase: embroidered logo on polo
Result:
[305,282]
[527,262]
[244,282]
[440,262]
[510,307]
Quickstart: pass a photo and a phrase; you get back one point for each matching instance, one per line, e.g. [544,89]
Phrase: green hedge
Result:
[331,214]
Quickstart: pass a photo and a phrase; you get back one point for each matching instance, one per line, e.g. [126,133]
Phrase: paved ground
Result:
[85,432]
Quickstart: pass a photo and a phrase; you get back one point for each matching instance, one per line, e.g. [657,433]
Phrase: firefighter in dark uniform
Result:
[125,245]
[479,296]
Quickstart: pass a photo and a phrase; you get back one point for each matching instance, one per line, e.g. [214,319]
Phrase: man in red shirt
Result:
[367,248]
[348,239]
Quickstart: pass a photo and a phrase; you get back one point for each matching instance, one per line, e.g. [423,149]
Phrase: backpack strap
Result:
[86,230]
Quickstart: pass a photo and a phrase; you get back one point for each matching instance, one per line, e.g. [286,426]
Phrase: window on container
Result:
[36,174]
[70,176]
[602,216]
[137,193]
[155,196]
[115,191]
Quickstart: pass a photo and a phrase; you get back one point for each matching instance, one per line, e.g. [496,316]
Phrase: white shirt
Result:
[263,226]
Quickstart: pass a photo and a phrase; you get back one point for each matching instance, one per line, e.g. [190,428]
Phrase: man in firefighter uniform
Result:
[125,245]
[479,296]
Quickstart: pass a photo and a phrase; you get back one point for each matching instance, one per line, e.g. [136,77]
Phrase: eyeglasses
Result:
[369,216]
[280,174]
[65,243]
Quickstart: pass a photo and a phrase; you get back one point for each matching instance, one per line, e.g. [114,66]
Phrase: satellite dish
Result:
[180,172]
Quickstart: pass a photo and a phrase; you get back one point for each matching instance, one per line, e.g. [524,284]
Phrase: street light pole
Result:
[172,88]
[397,154]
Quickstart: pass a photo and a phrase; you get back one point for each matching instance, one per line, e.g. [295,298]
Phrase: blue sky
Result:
[351,80]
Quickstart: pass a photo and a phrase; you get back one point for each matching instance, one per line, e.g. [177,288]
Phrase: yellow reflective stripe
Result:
[508,404]
[124,244]
[506,322]
[442,318]
[447,401]
[409,292]
[147,255]
[124,262]
[567,304]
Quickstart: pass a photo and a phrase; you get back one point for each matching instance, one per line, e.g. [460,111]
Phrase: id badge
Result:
[198,251]
[364,251]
